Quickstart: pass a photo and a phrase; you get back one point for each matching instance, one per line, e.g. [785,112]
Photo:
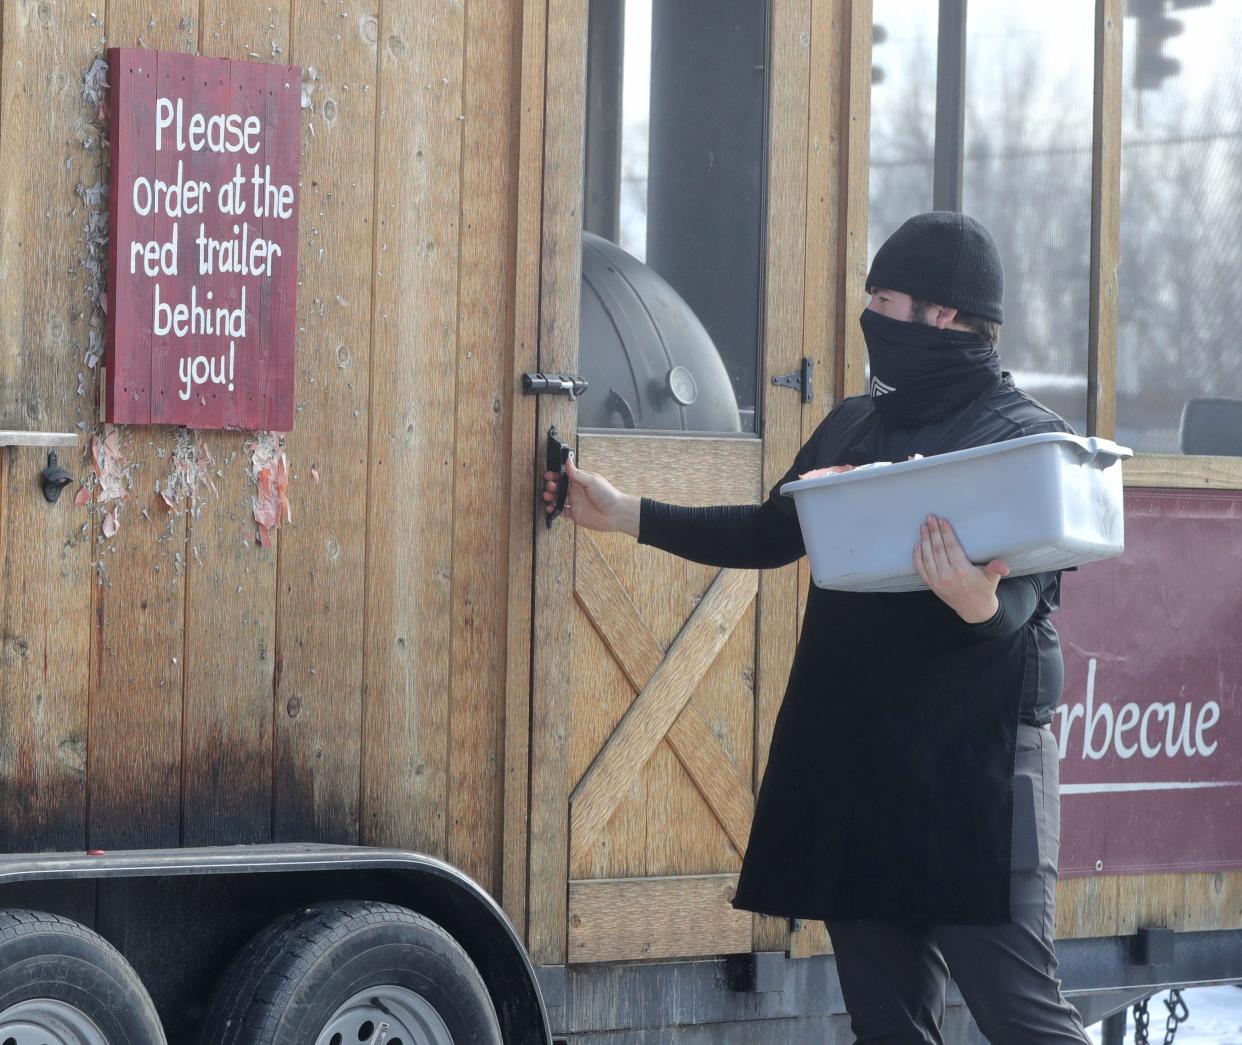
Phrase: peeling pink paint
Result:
[111,467]
[269,467]
[191,469]
[112,519]
[112,475]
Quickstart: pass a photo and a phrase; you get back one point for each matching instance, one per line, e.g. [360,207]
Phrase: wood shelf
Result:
[1184,471]
[8,438]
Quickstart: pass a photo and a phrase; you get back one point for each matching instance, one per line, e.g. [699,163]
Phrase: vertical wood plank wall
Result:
[523,463]
[785,240]
[560,275]
[321,560]
[227,755]
[139,643]
[45,324]
[177,684]
[366,679]
[406,713]
[835,241]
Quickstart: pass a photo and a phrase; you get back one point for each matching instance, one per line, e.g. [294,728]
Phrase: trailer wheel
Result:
[347,973]
[62,984]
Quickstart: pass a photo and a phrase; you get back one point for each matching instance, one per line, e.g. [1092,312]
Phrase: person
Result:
[910,799]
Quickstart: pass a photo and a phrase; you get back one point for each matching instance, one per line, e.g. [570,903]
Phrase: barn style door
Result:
[661,716]
[644,729]
[654,682]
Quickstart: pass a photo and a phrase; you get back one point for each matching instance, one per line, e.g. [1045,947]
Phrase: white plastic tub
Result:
[1041,502]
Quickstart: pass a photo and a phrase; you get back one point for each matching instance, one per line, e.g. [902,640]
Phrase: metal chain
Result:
[1179,1013]
[1140,1022]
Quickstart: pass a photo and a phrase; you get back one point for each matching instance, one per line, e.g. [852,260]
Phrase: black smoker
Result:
[649,361]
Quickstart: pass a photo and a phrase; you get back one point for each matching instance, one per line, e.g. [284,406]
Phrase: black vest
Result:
[888,792]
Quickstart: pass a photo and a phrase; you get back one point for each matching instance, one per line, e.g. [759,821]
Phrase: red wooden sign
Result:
[1150,726]
[204,221]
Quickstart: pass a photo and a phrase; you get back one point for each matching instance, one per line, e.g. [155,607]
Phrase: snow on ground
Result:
[1215,1018]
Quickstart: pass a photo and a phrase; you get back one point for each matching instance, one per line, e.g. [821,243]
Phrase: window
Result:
[1179,353]
[1026,174]
[903,115]
[1026,165]
[673,209]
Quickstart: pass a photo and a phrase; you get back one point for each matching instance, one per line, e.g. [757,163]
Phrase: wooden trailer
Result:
[403,687]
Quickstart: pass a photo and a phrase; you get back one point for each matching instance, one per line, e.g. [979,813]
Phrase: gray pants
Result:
[893,977]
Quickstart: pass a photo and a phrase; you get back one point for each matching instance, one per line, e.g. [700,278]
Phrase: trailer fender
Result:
[422,883]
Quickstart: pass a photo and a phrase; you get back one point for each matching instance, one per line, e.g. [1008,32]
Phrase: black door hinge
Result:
[800,380]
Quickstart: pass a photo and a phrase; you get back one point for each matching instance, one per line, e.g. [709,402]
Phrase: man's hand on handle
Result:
[594,502]
[969,590]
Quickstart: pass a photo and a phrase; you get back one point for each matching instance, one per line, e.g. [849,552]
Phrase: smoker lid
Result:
[650,362]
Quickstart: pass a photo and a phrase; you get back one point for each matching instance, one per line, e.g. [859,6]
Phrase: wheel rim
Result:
[384,1015]
[47,1021]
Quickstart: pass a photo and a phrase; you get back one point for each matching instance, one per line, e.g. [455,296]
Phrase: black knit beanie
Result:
[945,258]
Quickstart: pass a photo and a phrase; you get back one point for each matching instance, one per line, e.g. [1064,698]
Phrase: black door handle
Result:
[559,454]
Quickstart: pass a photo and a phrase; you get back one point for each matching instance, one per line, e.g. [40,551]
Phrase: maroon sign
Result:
[204,222]
[1150,725]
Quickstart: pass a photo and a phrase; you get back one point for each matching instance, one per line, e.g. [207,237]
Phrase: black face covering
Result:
[921,374]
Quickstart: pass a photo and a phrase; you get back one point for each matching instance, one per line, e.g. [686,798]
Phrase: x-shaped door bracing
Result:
[662,709]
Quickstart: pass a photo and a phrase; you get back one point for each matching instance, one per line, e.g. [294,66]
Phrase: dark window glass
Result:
[673,208]
[1179,355]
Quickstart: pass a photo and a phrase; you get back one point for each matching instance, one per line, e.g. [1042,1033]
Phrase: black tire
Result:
[286,984]
[45,956]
